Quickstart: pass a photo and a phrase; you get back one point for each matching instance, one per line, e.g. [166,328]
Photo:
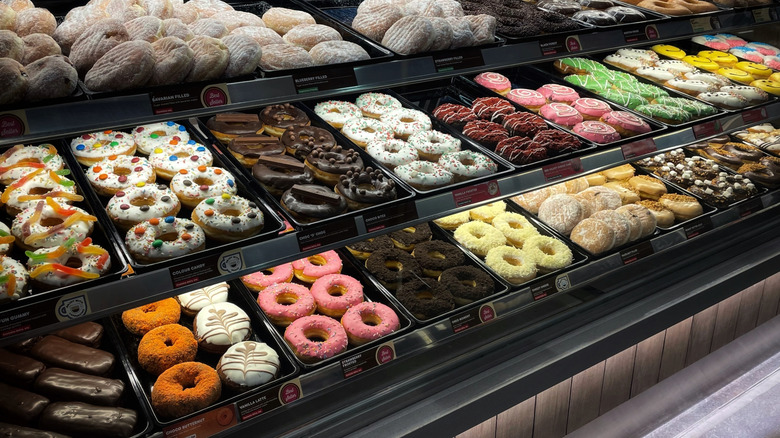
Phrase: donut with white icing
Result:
[248,364]
[119,172]
[37,186]
[140,203]
[405,122]
[49,268]
[228,218]
[93,147]
[337,112]
[431,145]
[375,104]
[48,224]
[218,326]
[6,239]
[365,130]
[149,137]
[465,165]
[424,175]
[161,239]
[20,160]
[192,302]
[392,153]
[196,184]
[169,160]
[13,279]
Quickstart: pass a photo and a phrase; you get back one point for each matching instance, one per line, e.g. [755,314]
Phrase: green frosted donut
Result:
[696,109]
[647,91]
[628,100]
[588,82]
[664,113]
[612,76]
[581,64]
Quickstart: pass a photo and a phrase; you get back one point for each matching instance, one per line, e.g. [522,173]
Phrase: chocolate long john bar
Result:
[12,430]
[59,352]
[60,384]
[88,333]
[18,369]
[80,419]
[23,406]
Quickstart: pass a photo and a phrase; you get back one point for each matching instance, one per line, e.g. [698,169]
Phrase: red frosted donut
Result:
[284,303]
[259,280]
[556,141]
[454,114]
[311,268]
[521,150]
[487,133]
[521,123]
[335,293]
[314,338]
[368,321]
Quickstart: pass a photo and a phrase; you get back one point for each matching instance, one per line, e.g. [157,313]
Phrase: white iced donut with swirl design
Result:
[405,122]
[467,164]
[169,160]
[337,112]
[392,153]
[375,104]
[118,172]
[21,160]
[192,302]
[149,137]
[163,238]
[228,218]
[248,364]
[362,131]
[142,202]
[91,148]
[431,145]
[424,175]
[194,185]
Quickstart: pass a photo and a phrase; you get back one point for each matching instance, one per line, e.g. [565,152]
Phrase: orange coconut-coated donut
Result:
[166,346]
[144,318]
[185,388]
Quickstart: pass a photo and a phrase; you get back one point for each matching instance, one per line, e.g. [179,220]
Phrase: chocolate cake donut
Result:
[425,298]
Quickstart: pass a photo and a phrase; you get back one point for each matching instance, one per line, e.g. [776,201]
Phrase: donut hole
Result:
[188,381]
[168,237]
[547,250]
[39,191]
[286,299]
[514,261]
[436,255]
[73,262]
[142,200]
[231,212]
[181,154]
[316,335]
[203,181]
[467,162]
[370,319]
[394,265]
[122,171]
[317,260]
[51,221]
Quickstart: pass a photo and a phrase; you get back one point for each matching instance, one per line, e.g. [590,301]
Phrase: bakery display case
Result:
[478,358]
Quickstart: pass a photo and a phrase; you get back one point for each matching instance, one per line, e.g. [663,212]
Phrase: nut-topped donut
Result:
[404,122]
[336,112]
[163,238]
[20,160]
[37,186]
[277,118]
[149,137]
[118,172]
[93,147]
[194,185]
[140,203]
[365,130]
[365,188]
[375,104]
[328,163]
[228,218]
[48,267]
[170,160]
[48,224]
[299,141]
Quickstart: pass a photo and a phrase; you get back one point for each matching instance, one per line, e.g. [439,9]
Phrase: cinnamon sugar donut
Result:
[244,55]
[35,20]
[208,8]
[308,35]
[594,235]
[37,46]
[263,35]
[284,56]
[376,23]
[209,27]
[128,65]
[174,58]
[409,35]
[282,20]
[147,28]
[101,37]
[336,52]
[210,57]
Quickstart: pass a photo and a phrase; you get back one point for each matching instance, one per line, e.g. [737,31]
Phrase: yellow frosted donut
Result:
[736,74]
[702,63]
[453,221]
[551,254]
[767,85]
[512,264]
[668,50]
[479,237]
[487,212]
[722,58]
[515,227]
[758,71]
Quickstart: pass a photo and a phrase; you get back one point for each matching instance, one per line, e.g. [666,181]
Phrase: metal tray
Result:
[143,382]
[371,292]
[273,224]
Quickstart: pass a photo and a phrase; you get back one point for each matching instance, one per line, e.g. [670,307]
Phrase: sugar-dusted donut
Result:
[336,112]
[283,303]
[368,321]
[594,235]
[36,186]
[260,280]
[282,20]
[171,159]
[149,137]
[13,279]
[315,338]
[365,130]
[141,202]
[337,52]
[118,172]
[93,147]
[161,239]
[32,228]
[562,212]
[49,268]
[228,218]
[335,293]
[431,144]
[193,185]
[20,160]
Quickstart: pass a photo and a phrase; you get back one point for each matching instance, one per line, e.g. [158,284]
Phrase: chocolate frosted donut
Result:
[526,124]
[248,148]
[22,369]
[624,14]
[426,298]
[301,140]
[281,173]
[467,283]
[365,188]
[454,114]
[558,142]
[393,267]
[364,248]
[521,150]
[228,125]
[408,237]
[487,133]
[744,152]
[319,203]
[328,163]
[436,256]
[277,118]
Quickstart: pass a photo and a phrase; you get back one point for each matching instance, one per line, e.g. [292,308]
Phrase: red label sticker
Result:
[207,424]
[269,400]
[707,129]
[477,193]
[564,169]
[651,32]
[366,360]
[573,44]
[214,96]
[637,148]
[754,115]
[473,318]
[11,125]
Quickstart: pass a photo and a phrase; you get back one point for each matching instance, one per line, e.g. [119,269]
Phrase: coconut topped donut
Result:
[118,172]
[91,148]
[20,160]
[149,137]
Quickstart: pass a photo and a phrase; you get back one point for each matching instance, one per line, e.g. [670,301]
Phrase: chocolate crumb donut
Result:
[392,267]
[299,141]
[436,256]
[277,118]
[365,248]
[467,283]
[406,239]
[328,163]
[425,298]
[366,188]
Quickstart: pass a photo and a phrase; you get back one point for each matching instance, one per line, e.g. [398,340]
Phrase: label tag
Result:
[465,58]
[637,252]
[637,148]
[13,124]
[65,308]
[329,79]
[697,226]
[207,267]
[477,193]
[269,399]
[762,15]
[560,44]
[707,129]
[473,317]
[326,234]
[641,33]
[394,215]
[754,115]
[750,206]
[189,97]
[543,289]
[702,24]
[204,425]
[366,360]
[556,171]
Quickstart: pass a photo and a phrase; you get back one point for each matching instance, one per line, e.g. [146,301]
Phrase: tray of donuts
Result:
[601,13]
[166,194]
[423,273]
[634,92]
[676,8]
[69,383]
[764,136]
[307,170]
[324,307]
[52,240]
[197,351]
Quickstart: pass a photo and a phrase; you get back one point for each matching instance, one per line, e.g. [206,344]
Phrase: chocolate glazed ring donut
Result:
[301,140]
[365,188]
[467,283]
[744,152]
[248,148]
[309,209]
[408,237]
[392,267]
[365,248]
[281,175]
[425,298]
[277,118]
[436,256]
[328,163]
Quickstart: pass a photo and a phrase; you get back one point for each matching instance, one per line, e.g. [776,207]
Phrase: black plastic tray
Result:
[775,153]
[273,223]
[100,236]
[653,17]
[696,48]
[404,191]
[144,381]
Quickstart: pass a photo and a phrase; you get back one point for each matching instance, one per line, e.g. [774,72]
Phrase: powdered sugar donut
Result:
[424,175]
[228,218]
[170,160]
[465,165]
[31,229]
[337,112]
[149,137]
[392,153]
[49,266]
[118,172]
[431,145]
[91,148]
[562,212]
[364,130]
[194,185]
[405,122]
[375,104]
[141,202]
[182,236]
[36,186]
[20,160]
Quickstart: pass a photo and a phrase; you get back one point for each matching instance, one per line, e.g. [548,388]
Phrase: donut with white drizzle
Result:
[248,364]
[192,302]
[218,326]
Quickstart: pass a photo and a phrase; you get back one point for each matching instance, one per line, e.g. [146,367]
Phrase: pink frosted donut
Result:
[259,280]
[530,99]
[591,109]
[368,321]
[314,338]
[772,62]
[313,267]
[494,81]
[558,93]
[284,303]
[335,293]
[561,114]
[597,132]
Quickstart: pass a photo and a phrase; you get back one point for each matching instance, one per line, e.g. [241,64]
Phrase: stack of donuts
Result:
[509,244]
[154,174]
[48,243]
[596,12]
[519,19]
[764,136]
[321,310]
[174,356]
[676,7]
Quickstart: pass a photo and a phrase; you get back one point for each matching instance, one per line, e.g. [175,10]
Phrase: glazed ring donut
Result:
[20,160]
[425,298]
[335,293]
[515,227]
[392,267]
[392,153]
[404,122]
[13,282]
[365,130]
[479,237]
[119,172]
[437,256]
[194,185]
[375,104]
[283,303]
[407,238]
[48,266]
[258,281]
[228,218]
[512,264]
[166,346]
[140,320]
[164,238]
[315,338]
[430,145]
[424,175]
[168,161]
[551,254]
[185,388]
[467,284]
[36,186]
[309,269]
[487,212]
[142,202]
[32,230]
[365,248]
[466,164]
[337,112]
[149,137]
[91,148]
[664,7]
[367,321]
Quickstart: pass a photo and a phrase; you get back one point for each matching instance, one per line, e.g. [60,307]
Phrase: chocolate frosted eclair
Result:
[23,406]
[299,141]
[88,333]
[18,369]
[59,352]
[280,172]
[12,430]
[248,148]
[60,384]
[80,419]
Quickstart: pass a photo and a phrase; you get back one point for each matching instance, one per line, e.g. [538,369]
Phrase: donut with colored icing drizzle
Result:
[48,224]
[335,293]
[424,175]
[561,114]
[430,145]
[140,203]
[258,281]
[368,321]
[283,303]
[625,123]
[20,160]
[375,104]
[597,132]
[193,185]
[49,268]
[36,186]
[218,326]
[365,130]
[465,165]
[91,148]
[404,122]
[119,172]
[337,112]
[531,99]
[168,161]
[161,239]
[454,114]
[13,279]
[192,302]
[315,338]
[591,109]
[248,364]
[393,152]
[558,93]
[149,137]
[228,218]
